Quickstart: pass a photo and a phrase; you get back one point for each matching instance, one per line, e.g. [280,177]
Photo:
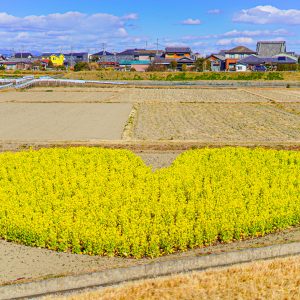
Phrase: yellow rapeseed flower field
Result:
[107,202]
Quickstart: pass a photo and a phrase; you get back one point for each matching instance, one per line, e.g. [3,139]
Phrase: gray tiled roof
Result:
[178,49]
[240,49]
[265,49]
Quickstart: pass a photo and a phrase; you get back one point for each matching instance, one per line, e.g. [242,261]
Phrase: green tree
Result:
[81,66]
[173,65]
[184,68]
[200,64]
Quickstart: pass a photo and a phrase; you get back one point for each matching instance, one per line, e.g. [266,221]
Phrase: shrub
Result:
[81,66]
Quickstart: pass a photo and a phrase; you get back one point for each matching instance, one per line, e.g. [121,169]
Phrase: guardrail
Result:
[5,86]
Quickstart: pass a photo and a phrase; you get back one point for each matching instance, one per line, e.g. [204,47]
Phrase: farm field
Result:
[20,121]
[216,122]
[273,279]
[142,95]
[291,107]
[279,95]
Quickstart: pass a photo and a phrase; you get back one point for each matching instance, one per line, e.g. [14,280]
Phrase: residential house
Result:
[147,54]
[217,62]
[137,65]
[271,62]
[270,54]
[17,64]
[232,56]
[177,52]
[72,58]
[57,59]
[102,56]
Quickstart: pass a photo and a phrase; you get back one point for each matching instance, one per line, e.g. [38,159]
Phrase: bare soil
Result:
[20,263]
[216,122]
[61,121]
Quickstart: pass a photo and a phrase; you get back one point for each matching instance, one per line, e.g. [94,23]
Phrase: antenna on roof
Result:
[103,49]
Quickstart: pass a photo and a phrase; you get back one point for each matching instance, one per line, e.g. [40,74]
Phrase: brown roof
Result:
[241,49]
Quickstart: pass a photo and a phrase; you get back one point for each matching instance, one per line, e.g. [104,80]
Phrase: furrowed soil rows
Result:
[188,95]
[130,95]
[280,95]
[292,107]
[216,122]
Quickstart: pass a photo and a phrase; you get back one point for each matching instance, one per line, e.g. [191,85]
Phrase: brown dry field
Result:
[216,122]
[273,279]
[63,121]
[129,95]
[279,95]
[206,115]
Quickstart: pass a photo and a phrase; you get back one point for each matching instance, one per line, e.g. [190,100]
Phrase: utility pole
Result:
[157,46]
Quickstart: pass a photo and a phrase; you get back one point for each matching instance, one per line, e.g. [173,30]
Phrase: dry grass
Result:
[274,279]
[130,95]
[112,75]
[217,123]
[279,95]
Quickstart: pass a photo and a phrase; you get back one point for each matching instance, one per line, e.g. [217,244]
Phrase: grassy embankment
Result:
[160,76]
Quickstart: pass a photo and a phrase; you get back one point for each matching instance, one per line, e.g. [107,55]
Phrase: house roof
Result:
[257,60]
[134,62]
[148,52]
[240,49]
[218,56]
[23,55]
[15,62]
[185,60]
[103,53]
[130,51]
[270,48]
[178,50]
[50,53]
[76,54]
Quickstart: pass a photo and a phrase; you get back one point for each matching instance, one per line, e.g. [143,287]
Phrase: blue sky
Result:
[205,26]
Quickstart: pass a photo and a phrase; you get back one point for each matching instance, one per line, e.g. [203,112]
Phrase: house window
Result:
[281,58]
[231,55]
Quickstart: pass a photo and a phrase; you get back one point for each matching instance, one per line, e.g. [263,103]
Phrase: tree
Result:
[199,64]
[156,68]
[184,68]
[50,64]
[173,65]
[81,66]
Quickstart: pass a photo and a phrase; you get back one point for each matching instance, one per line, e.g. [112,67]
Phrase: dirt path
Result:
[20,263]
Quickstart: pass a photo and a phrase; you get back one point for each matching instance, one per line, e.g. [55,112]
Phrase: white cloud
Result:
[236,41]
[58,30]
[215,11]
[253,33]
[191,22]
[267,14]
